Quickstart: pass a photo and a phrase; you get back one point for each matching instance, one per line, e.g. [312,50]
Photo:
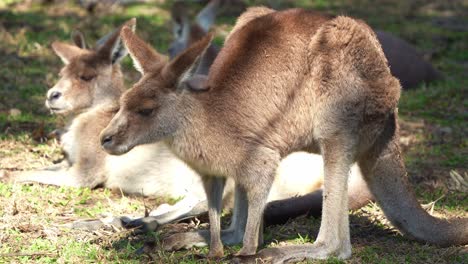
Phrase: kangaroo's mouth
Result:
[56,110]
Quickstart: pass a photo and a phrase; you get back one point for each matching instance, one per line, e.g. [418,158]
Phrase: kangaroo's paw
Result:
[246,251]
[186,240]
[295,253]
[199,238]
[95,224]
[88,225]
[268,255]
[145,224]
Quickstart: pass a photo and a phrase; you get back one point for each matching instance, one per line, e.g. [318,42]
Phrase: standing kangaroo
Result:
[279,211]
[284,81]
[397,51]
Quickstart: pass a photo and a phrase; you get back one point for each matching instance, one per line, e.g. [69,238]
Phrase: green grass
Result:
[433,120]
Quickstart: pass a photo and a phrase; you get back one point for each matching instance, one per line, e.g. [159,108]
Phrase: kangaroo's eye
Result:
[145,112]
[86,78]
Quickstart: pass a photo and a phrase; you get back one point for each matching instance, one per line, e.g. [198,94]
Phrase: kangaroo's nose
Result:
[54,95]
[106,141]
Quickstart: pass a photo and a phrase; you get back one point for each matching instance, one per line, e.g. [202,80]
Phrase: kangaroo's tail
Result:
[386,177]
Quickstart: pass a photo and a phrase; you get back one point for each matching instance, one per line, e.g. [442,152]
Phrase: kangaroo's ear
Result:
[66,51]
[207,16]
[196,83]
[78,38]
[145,58]
[186,65]
[111,46]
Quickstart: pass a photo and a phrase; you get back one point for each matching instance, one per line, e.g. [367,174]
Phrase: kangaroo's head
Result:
[153,109]
[90,76]
[185,32]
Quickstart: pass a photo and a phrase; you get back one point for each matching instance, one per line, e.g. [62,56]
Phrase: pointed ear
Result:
[78,38]
[186,64]
[207,16]
[66,51]
[145,58]
[111,45]
[196,83]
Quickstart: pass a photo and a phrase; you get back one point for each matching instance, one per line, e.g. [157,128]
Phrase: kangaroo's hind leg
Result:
[255,179]
[333,238]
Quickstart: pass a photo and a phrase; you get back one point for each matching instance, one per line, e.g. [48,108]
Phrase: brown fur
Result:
[286,81]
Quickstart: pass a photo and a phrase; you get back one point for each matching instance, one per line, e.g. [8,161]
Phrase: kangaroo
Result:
[278,211]
[284,81]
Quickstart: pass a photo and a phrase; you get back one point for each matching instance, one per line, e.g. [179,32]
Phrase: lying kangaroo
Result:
[88,91]
[89,88]
[284,81]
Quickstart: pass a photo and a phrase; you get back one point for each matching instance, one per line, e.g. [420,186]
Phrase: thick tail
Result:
[279,212]
[385,174]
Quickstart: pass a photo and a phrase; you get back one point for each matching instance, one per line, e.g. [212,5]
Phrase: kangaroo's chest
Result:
[69,144]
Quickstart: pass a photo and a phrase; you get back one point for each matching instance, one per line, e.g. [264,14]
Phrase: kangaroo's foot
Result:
[297,253]
[199,238]
[96,224]
[144,224]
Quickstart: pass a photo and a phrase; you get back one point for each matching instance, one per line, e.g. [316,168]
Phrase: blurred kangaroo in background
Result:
[284,81]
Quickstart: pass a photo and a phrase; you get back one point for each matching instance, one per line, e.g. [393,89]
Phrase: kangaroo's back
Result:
[298,64]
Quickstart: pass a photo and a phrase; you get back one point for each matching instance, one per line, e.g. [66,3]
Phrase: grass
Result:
[33,217]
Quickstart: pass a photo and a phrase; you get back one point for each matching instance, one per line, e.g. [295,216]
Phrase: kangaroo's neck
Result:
[194,129]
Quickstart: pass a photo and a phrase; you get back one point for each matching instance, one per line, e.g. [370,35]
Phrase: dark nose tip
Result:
[106,140]
[54,95]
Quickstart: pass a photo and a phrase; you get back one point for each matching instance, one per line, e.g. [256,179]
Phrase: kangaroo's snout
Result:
[55,101]
[107,142]
[112,142]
